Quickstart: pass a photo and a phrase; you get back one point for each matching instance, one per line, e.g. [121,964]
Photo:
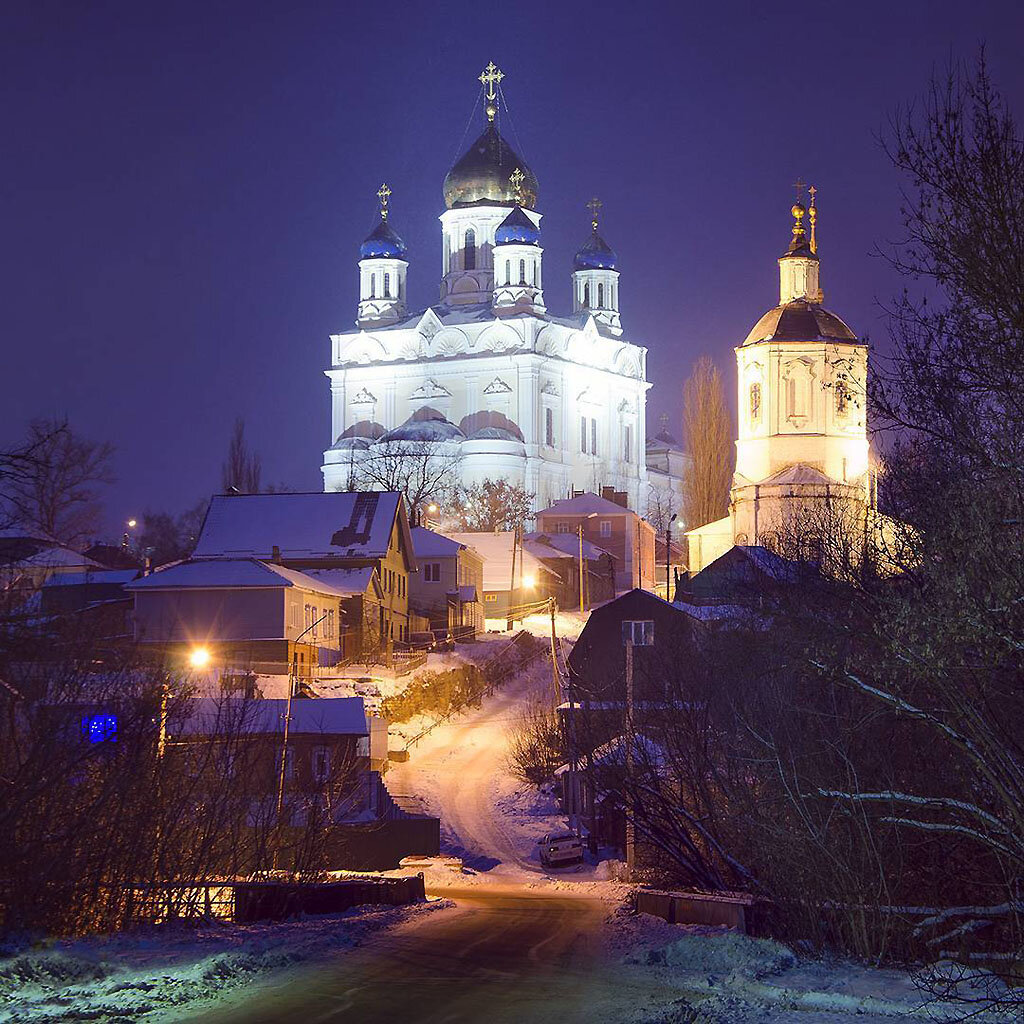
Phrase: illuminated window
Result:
[490,598]
[469,253]
[99,728]
[755,402]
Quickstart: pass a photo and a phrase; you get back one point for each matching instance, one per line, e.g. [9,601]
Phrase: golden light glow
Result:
[431,507]
[529,580]
[199,657]
[132,523]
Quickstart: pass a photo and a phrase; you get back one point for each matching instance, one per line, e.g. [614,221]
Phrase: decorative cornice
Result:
[430,389]
[497,387]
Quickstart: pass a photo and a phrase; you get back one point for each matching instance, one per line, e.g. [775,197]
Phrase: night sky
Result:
[184,188]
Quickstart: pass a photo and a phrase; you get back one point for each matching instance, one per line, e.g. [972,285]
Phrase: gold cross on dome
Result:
[383,194]
[517,178]
[798,187]
[490,77]
[594,206]
[812,191]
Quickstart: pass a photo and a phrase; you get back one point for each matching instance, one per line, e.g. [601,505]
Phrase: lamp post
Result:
[668,559]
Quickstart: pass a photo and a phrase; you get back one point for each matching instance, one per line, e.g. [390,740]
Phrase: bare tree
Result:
[707,435]
[493,505]
[422,471]
[242,470]
[58,479]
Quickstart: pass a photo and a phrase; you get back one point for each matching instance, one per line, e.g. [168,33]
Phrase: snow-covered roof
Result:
[329,524]
[561,545]
[586,504]
[797,474]
[328,716]
[496,551]
[89,577]
[645,750]
[232,573]
[431,544]
[348,581]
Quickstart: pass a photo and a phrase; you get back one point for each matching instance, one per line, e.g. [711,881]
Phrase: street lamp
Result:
[529,581]
[199,657]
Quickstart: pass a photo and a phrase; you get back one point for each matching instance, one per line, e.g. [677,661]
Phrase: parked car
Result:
[558,848]
[422,641]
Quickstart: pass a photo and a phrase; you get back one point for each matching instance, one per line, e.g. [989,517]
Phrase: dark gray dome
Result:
[481,175]
[799,321]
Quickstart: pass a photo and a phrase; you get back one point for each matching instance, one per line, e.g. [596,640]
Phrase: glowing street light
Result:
[132,523]
[529,580]
[199,657]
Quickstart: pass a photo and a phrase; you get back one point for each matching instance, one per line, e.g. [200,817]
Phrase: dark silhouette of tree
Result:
[708,437]
[242,470]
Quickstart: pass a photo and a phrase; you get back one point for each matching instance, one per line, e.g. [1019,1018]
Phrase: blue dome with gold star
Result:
[595,255]
[517,229]
[382,243]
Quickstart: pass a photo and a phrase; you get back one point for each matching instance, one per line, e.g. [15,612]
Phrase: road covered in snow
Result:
[503,939]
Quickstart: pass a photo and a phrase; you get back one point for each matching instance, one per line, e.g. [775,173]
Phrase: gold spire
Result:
[594,206]
[383,194]
[517,178]
[798,210]
[489,78]
[813,214]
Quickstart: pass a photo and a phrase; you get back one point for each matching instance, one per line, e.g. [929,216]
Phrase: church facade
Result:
[802,461]
[489,377]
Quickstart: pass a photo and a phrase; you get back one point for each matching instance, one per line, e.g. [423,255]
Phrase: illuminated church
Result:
[554,403]
[802,446]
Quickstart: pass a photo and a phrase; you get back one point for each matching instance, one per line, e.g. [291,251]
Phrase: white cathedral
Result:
[553,403]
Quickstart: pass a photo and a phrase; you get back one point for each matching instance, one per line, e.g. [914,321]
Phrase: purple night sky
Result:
[184,188]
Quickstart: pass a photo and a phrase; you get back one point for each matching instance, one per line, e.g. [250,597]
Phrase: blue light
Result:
[99,728]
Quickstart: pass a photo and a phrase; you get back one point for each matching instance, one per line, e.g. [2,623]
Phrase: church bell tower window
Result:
[586,296]
[522,271]
[469,253]
[600,296]
[387,285]
[755,403]
[508,271]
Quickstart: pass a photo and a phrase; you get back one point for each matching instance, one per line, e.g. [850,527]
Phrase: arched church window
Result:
[387,285]
[534,275]
[522,271]
[600,296]
[755,402]
[469,252]
[373,286]
[842,399]
[586,296]
[508,271]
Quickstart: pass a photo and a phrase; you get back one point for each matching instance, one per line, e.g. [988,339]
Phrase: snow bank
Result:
[175,972]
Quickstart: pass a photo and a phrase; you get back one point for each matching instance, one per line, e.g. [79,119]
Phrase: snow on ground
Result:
[168,973]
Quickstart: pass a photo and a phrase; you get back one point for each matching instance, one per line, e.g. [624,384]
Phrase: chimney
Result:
[275,555]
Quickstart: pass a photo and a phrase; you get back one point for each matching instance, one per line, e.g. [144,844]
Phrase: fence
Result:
[262,901]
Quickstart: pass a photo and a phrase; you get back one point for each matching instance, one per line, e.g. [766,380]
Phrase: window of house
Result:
[289,763]
[469,253]
[321,764]
[606,527]
[330,622]
[387,285]
[627,443]
[593,437]
[755,402]
[600,296]
[431,572]
[316,620]
[583,434]
[490,597]
[640,631]
[563,528]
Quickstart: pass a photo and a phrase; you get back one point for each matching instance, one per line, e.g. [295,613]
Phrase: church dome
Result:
[425,424]
[382,243]
[481,175]
[595,255]
[517,229]
[799,321]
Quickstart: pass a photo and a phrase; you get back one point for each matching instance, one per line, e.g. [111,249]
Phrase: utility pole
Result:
[511,585]
[557,689]
[668,559]
[582,570]
[287,723]
[630,832]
